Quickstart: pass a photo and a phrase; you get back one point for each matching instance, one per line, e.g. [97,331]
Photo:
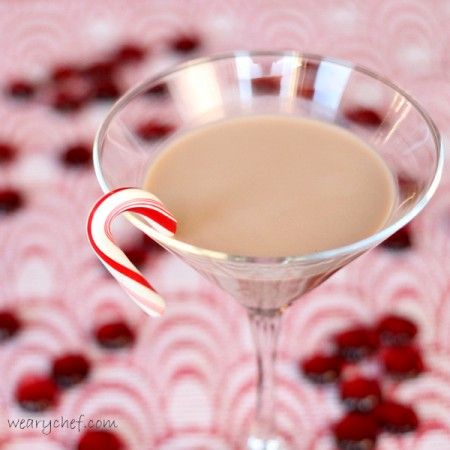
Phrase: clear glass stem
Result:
[265,326]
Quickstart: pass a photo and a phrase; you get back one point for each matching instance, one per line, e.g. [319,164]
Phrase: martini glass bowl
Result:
[285,83]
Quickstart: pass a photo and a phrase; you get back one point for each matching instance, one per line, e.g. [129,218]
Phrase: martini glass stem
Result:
[265,326]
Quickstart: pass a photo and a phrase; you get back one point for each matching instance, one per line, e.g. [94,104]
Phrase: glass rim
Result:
[342,251]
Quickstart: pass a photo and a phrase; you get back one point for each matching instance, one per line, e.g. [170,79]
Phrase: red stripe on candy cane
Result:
[157,216]
[99,234]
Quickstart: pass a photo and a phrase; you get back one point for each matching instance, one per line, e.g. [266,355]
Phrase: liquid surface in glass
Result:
[272,186]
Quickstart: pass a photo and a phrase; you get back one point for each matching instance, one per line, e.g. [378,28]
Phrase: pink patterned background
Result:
[187,380]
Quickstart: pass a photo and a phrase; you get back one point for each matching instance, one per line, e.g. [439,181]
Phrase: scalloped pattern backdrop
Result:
[187,382]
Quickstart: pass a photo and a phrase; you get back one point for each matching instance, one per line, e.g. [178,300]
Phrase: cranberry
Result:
[356,431]
[100,440]
[322,368]
[71,92]
[10,200]
[356,343]
[306,91]
[150,244]
[115,335]
[63,73]
[77,155]
[7,152]
[395,417]
[158,90]
[186,43]
[153,129]
[130,53]
[37,393]
[9,325]
[100,69]
[266,85]
[402,362]
[395,330]
[65,100]
[105,89]
[70,369]
[137,255]
[400,240]
[364,116]
[307,80]
[360,394]
[407,186]
[20,89]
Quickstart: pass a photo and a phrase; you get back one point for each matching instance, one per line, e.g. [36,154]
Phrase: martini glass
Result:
[243,83]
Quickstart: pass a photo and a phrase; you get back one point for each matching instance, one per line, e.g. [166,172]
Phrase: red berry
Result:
[137,255]
[7,152]
[407,186]
[266,85]
[129,53]
[402,362]
[356,343]
[360,394]
[100,69]
[400,240]
[395,417]
[70,369]
[37,393]
[150,245]
[77,155]
[105,89]
[356,431]
[20,89]
[10,200]
[65,100]
[159,90]
[153,130]
[100,440]
[115,335]
[306,91]
[307,80]
[71,92]
[9,325]
[364,116]
[322,368]
[186,43]
[63,73]
[395,330]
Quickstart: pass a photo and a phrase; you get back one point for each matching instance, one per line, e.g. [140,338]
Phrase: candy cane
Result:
[99,234]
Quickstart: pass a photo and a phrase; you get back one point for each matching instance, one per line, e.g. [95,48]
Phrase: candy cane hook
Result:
[114,259]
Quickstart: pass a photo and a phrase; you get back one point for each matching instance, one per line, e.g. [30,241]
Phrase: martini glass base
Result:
[271,443]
